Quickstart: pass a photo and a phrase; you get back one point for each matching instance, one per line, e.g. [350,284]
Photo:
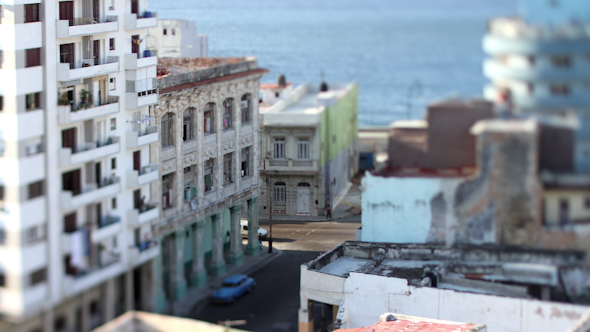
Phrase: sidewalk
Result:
[347,203]
[250,265]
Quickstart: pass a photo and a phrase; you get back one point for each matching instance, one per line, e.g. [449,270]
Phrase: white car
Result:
[262,233]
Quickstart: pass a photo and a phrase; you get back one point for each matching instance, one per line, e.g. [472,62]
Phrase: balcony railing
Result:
[86,26]
[297,165]
[107,227]
[86,68]
[76,113]
[89,152]
[90,194]
[146,214]
[136,139]
[143,252]
[141,21]
[146,58]
[147,174]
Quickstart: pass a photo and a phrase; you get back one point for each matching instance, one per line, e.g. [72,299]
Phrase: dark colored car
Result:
[232,288]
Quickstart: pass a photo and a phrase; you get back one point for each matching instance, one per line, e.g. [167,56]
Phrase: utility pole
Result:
[271,193]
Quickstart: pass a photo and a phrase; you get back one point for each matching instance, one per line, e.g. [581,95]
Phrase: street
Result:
[274,304]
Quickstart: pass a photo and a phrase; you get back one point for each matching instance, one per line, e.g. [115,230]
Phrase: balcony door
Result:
[137,199]
[134,6]
[96,52]
[71,182]
[68,139]
[96,10]
[98,174]
[137,161]
[66,53]
[135,44]
[66,11]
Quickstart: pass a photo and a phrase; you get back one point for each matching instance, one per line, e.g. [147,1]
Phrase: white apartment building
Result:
[538,64]
[76,90]
[178,38]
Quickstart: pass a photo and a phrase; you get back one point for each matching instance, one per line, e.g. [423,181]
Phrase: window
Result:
[167,130]
[113,123]
[35,189]
[35,234]
[33,57]
[187,125]
[245,161]
[208,176]
[245,108]
[33,101]
[114,163]
[2,279]
[1,103]
[38,276]
[587,202]
[208,119]
[303,148]
[279,148]
[1,193]
[32,13]
[174,32]
[228,109]
[167,191]
[112,44]
[227,169]
[559,89]
[2,235]
[114,202]
[561,61]
[165,32]
[280,192]
[112,83]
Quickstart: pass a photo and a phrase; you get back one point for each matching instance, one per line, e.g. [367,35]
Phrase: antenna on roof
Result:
[324,85]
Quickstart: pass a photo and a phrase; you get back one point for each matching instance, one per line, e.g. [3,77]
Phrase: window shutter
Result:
[187,194]
[194,191]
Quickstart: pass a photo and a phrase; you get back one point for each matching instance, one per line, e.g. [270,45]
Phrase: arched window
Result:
[167,130]
[280,192]
[208,119]
[187,124]
[228,110]
[245,105]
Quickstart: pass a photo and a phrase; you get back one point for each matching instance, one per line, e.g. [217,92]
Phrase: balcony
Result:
[92,194]
[83,280]
[133,61]
[290,165]
[90,152]
[135,21]
[69,114]
[87,68]
[108,227]
[137,217]
[141,93]
[148,173]
[86,26]
[136,139]
[143,252]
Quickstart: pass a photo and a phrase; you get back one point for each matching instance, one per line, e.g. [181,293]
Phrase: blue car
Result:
[232,288]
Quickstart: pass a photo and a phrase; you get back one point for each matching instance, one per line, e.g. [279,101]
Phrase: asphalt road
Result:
[274,304]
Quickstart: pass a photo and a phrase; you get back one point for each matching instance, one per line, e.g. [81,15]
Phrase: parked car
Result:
[233,287]
[262,233]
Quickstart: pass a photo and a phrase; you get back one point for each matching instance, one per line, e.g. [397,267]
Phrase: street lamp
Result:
[416,86]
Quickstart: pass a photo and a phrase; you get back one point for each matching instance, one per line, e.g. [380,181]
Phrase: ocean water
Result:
[404,54]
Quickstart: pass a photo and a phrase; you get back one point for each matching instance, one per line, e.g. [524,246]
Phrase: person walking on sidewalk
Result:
[329,214]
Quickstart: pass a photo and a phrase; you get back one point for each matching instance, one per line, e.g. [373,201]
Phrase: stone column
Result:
[159,296]
[236,256]
[86,312]
[179,279]
[129,298]
[253,246]
[217,261]
[109,300]
[199,273]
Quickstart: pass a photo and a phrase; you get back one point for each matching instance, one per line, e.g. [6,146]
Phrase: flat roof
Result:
[405,323]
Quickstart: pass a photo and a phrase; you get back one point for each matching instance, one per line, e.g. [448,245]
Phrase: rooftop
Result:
[483,269]
[398,322]
[182,73]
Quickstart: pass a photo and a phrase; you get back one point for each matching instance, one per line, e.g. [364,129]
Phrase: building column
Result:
[253,247]
[129,299]
[306,318]
[85,313]
[159,296]
[217,261]
[179,278]
[48,320]
[109,300]
[236,256]
[199,273]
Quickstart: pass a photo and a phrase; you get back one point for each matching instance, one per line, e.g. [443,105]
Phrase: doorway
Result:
[137,161]
[68,139]
[71,182]
[66,11]
[303,198]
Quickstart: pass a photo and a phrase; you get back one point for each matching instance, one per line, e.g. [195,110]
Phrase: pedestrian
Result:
[329,214]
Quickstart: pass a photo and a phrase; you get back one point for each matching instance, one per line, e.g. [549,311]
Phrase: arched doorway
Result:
[303,198]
